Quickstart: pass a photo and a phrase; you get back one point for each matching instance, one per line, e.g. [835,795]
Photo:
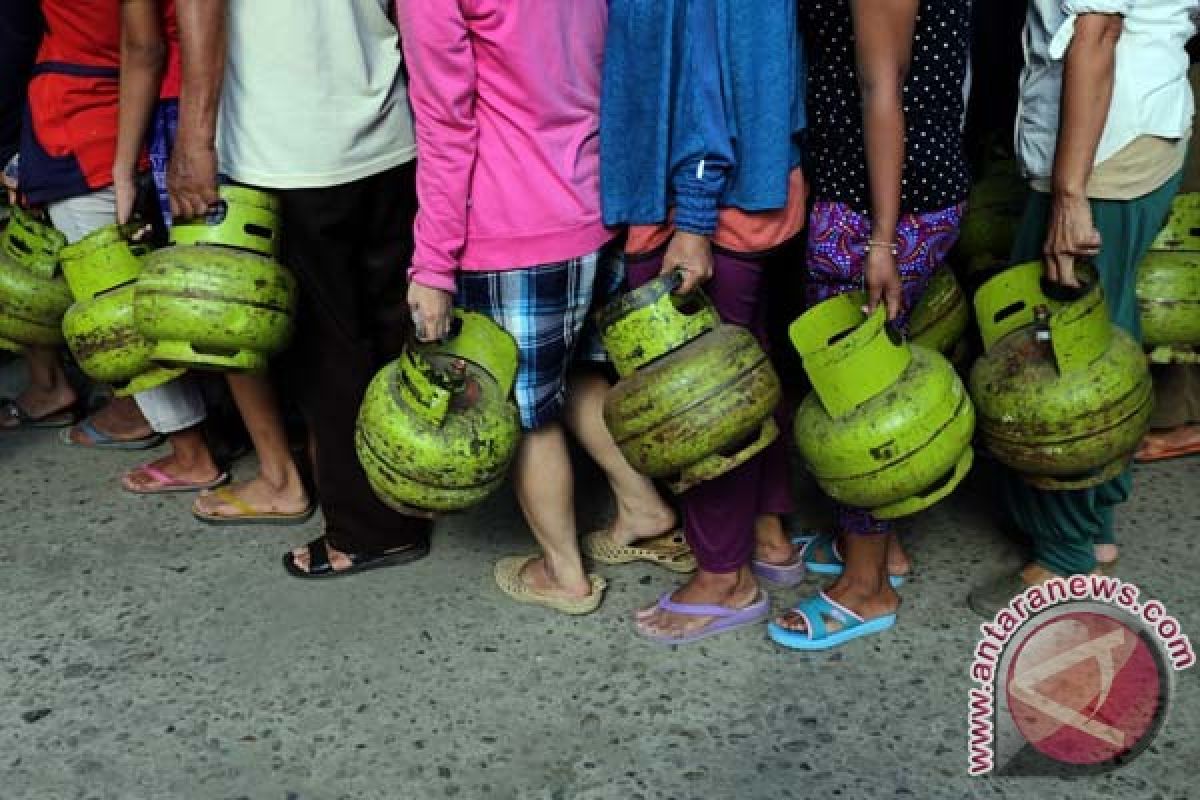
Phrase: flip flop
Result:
[99,440]
[508,577]
[832,563]
[816,636]
[1155,454]
[670,550]
[248,514]
[11,410]
[167,484]
[320,568]
[785,575]
[724,619]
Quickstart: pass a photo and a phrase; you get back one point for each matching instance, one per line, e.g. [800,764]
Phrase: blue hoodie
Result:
[702,108]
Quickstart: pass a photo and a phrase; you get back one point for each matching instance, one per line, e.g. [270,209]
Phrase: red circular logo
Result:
[1084,688]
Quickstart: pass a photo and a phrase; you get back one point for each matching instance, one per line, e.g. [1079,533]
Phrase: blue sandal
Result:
[821,556]
[816,636]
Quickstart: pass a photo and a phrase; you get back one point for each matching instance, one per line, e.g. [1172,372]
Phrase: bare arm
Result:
[143,56]
[192,177]
[883,31]
[1086,96]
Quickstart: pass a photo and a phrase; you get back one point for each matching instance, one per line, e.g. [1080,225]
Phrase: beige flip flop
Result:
[508,578]
[670,550]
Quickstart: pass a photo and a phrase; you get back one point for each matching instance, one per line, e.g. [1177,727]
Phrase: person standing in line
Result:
[1175,426]
[890,175]
[71,155]
[709,192]
[1102,133]
[506,97]
[331,136]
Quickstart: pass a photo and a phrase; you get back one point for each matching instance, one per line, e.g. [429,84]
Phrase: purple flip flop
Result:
[785,575]
[725,619]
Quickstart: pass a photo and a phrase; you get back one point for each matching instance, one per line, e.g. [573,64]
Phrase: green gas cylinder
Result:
[101,270]
[437,428]
[888,424]
[695,396]
[1063,395]
[216,299]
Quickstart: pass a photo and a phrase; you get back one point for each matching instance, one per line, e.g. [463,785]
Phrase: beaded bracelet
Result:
[892,246]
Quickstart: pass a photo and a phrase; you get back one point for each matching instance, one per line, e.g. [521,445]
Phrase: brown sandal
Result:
[669,550]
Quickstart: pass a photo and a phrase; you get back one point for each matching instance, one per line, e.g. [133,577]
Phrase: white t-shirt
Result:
[1151,95]
[314,95]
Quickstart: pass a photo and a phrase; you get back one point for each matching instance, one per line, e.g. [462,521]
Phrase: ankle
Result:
[282,480]
[565,573]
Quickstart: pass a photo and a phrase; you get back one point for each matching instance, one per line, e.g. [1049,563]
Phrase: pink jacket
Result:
[506,100]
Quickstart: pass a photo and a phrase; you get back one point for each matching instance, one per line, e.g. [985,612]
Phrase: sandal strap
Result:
[12,410]
[162,480]
[694,609]
[227,496]
[318,556]
[816,609]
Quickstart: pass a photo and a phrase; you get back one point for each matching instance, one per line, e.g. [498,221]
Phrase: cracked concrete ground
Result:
[147,656]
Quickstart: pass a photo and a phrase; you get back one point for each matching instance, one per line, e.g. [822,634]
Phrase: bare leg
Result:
[641,512]
[48,391]
[863,587]
[545,485]
[771,542]
[278,487]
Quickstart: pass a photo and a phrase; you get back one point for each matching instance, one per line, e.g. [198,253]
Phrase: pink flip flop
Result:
[725,619]
[167,484]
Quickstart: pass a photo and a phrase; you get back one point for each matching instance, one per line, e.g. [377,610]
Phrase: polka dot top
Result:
[935,169]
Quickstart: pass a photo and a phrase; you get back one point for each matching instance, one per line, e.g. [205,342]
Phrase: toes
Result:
[792,622]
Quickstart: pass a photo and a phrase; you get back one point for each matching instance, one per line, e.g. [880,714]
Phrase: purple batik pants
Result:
[718,515]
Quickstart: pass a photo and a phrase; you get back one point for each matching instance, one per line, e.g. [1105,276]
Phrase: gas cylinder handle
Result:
[426,392]
[1062,293]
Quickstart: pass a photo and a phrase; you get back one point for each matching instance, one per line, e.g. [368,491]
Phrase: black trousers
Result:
[349,247]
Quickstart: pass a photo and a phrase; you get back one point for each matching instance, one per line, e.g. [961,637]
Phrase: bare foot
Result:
[39,402]
[258,495]
[198,471]
[120,420]
[772,545]
[898,563]
[641,518]
[867,599]
[338,560]
[731,590]
[1107,553]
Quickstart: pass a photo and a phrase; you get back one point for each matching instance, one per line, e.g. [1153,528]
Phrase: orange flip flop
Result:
[1151,454]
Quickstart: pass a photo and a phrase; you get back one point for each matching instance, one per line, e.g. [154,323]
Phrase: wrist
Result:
[1068,192]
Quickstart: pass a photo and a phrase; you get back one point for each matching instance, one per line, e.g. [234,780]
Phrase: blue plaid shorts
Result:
[548,310]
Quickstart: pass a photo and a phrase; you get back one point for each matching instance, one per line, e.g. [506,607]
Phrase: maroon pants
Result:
[718,515]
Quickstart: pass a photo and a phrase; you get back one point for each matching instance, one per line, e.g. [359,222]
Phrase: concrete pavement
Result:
[147,656]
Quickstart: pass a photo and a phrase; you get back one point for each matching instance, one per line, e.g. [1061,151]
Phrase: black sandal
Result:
[12,412]
[319,566]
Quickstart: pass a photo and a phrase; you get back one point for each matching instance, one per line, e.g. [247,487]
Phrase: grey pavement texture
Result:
[147,656]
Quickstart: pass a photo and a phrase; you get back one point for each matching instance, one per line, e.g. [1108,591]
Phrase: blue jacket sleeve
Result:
[705,156]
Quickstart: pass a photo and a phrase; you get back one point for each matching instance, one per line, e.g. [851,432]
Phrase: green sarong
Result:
[1065,526]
